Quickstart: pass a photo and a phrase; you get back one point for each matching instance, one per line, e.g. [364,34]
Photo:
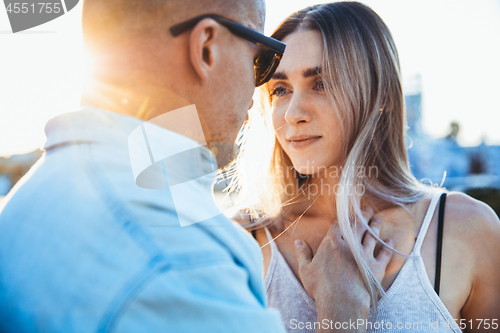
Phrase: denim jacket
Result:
[83,248]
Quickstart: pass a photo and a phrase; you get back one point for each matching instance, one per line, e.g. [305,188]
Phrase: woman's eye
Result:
[278,91]
[319,85]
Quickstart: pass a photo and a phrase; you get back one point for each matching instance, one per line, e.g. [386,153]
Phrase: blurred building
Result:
[473,170]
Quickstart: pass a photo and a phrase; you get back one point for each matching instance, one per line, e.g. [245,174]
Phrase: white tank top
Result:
[410,304]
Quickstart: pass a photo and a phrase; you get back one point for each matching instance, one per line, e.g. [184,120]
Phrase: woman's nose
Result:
[297,111]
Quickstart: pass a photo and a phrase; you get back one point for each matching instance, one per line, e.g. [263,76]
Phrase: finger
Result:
[334,245]
[333,237]
[385,255]
[361,227]
[331,244]
[369,241]
[303,253]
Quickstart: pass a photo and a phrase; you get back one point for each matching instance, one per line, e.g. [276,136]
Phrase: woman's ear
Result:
[203,49]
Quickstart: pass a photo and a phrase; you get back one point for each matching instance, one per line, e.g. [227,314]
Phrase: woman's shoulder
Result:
[475,226]
[473,230]
[468,214]
[246,220]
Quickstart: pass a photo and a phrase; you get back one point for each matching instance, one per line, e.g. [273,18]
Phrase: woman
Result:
[335,111]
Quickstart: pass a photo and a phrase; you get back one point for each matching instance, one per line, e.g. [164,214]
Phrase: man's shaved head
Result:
[140,69]
[109,23]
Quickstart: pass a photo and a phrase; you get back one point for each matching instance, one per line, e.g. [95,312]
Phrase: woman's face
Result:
[303,116]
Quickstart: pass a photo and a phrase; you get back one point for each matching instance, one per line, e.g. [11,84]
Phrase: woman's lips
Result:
[302,143]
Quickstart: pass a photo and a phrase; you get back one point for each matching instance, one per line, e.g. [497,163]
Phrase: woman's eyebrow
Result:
[279,76]
[312,71]
[307,73]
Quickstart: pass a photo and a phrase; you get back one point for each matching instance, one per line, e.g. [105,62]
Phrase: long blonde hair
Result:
[361,73]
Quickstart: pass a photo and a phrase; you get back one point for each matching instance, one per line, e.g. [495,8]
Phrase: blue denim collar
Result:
[89,125]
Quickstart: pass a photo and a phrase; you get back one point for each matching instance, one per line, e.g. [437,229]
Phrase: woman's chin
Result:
[309,170]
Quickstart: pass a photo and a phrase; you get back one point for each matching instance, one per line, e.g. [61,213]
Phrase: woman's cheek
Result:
[278,116]
[278,122]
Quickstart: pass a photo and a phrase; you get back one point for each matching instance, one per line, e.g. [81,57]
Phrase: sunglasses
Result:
[267,61]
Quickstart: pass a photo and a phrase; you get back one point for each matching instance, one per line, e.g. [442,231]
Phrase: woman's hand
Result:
[377,263]
[333,279]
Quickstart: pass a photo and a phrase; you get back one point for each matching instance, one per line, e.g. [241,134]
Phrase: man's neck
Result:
[143,101]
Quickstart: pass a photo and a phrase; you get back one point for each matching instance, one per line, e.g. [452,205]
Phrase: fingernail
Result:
[298,243]
[369,210]
[390,242]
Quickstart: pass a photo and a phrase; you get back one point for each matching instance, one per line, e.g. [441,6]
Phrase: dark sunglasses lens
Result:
[265,65]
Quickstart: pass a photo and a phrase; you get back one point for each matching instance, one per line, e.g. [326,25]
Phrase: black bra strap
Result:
[439,251]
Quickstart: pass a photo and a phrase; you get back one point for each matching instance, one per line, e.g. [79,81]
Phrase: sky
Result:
[453,45]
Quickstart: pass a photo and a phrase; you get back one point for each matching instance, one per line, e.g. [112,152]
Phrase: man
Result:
[85,248]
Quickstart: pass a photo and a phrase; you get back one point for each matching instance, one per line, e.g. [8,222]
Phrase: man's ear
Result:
[203,49]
